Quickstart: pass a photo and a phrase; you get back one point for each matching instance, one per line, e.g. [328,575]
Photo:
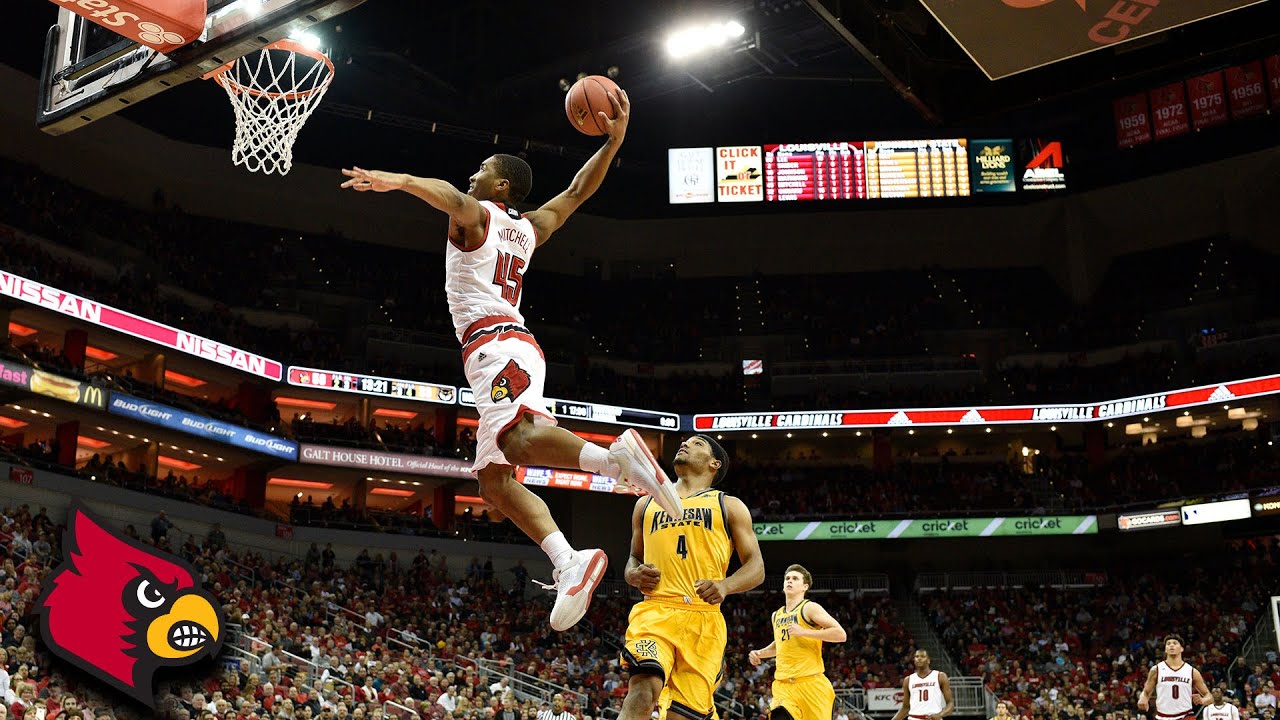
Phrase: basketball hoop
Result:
[273,93]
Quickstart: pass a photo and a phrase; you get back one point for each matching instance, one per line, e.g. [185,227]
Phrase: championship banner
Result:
[1132,125]
[1005,37]
[1208,97]
[739,173]
[1273,80]
[933,528]
[1246,90]
[1169,111]
[53,386]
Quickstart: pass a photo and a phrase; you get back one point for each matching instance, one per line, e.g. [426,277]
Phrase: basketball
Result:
[587,97]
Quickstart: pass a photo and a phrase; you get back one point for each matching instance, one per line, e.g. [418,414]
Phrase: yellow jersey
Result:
[797,657]
[696,546]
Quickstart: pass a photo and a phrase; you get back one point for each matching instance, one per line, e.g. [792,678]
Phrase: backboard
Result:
[90,72]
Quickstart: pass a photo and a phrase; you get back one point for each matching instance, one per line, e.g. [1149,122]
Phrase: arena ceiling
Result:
[428,87]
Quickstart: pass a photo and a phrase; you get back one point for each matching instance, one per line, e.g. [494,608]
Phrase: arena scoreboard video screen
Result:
[372,385]
[848,170]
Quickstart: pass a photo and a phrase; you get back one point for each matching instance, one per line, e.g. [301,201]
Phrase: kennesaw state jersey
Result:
[489,280]
[695,546]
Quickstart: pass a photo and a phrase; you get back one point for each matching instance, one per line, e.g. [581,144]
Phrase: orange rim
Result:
[220,75]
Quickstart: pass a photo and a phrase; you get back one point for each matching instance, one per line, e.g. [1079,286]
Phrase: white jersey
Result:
[1173,691]
[489,280]
[1225,711]
[926,695]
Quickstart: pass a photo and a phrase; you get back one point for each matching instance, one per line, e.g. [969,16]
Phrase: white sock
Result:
[558,549]
[595,459]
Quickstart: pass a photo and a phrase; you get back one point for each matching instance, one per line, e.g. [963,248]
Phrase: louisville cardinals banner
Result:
[1246,90]
[121,610]
[1273,80]
[1133,127]
[1005,37]
[1208,97]
[1169,116]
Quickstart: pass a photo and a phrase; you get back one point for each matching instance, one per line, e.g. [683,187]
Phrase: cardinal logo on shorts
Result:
[510,383]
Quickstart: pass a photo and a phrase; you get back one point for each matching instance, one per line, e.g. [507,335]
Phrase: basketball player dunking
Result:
[926,693]
[801,690]
[1178,686]
[490,246]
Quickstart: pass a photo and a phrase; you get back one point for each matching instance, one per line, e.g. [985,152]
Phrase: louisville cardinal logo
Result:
[510,383]
[120,610]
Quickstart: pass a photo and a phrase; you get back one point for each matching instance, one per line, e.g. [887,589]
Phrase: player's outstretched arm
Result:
[465,210]
[551,216]
[829,629]
[751,574]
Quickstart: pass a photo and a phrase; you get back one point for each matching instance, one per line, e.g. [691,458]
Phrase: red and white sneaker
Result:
[641,470]
[574,586]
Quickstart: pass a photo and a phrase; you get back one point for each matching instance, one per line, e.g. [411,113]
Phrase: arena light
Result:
[694,39]
[290,482]
[400,414]
[176,463]
[90,442]
[12,424]
[185,380]
[391,492]
[308,39]
[299,402]
[21,330]
[99,354]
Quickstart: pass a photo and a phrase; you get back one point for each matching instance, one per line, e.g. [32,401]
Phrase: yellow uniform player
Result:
[801,690]
[676,636]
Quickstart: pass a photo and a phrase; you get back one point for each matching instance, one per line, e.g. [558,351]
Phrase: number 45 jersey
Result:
[488,281]
[696,546]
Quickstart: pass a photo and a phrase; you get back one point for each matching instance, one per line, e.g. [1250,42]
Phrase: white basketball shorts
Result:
[508,374]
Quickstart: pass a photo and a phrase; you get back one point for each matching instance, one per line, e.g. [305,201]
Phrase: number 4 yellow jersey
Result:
[695,546]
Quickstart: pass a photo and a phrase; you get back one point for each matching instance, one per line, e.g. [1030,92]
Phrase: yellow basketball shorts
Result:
[682,646]
[805,698]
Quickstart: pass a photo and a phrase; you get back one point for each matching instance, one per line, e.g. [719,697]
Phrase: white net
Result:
[273,92]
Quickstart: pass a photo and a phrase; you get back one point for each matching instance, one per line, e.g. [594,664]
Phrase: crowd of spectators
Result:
[1084,652]
[900,314]
[388,636]
[807,486]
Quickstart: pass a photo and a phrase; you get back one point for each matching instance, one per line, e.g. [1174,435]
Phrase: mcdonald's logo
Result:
[94,396]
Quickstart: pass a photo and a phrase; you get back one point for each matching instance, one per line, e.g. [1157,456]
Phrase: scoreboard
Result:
[847,170]
[814,171]
[917,168]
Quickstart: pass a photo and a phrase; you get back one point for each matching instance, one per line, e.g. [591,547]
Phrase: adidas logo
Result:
[973,416]
[899,419]
[1222,393]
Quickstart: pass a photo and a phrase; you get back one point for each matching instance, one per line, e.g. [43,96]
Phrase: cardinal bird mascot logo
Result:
[120,610]
[510,383]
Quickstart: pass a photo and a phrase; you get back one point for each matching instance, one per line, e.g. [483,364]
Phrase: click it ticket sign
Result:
[738,174]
